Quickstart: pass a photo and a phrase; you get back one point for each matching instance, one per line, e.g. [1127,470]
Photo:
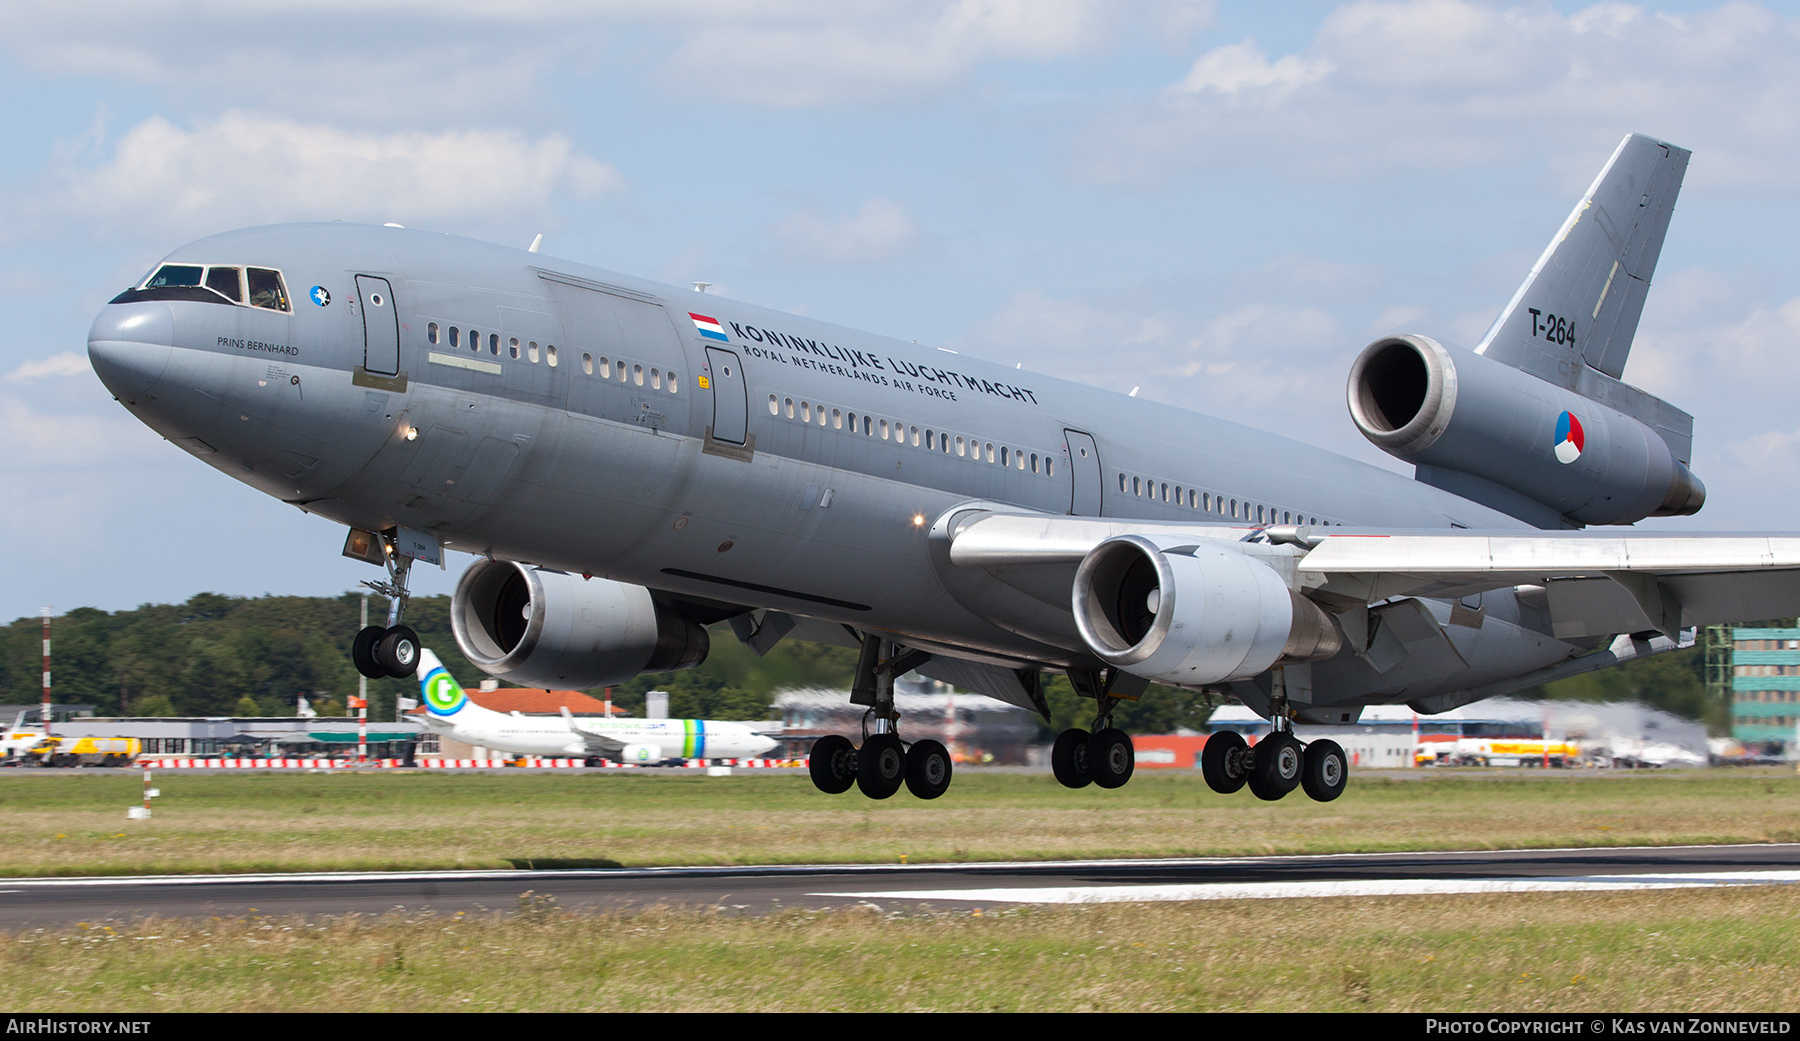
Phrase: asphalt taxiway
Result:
[54,902]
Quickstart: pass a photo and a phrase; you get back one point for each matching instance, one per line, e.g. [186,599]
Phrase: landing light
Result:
[412,433]
[918,520]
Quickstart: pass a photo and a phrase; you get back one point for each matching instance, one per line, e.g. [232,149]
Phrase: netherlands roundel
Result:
[1569,438]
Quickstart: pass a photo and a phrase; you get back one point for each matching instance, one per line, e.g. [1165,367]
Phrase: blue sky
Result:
[1219,203]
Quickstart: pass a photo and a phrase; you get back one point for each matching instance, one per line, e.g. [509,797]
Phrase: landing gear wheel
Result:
[832,764]
[398,652]
[880,766]
[1111,758]
[927,769]
[1325,772]
[362,652]
[1225,761]
[1069,759]
[1276,768]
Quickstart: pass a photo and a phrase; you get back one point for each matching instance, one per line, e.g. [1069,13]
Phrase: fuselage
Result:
[539,410]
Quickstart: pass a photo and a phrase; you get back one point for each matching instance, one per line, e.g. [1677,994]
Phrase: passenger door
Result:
[381,325]
[731,402]
[1084,474]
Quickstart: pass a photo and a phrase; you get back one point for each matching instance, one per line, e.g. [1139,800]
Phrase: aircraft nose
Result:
[129,346]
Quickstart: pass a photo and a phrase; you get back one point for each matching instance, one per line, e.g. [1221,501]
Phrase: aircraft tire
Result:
[1225,761]
[1111,759]
[362,652]
[1325,771]
[1069,759]
[832,764]
[928,769]
[398,652]
[1277,766]
[881,766]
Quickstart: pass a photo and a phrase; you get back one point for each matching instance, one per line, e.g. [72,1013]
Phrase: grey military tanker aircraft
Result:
[632,462]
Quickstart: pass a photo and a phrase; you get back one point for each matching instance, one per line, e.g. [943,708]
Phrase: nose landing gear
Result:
[393,649]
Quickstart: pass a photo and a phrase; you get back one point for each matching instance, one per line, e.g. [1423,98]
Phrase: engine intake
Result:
[1194,615]
[549,629]
[1453,410]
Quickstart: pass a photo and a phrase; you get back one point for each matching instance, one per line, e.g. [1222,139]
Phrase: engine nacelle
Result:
[549,629]
[1195,614]
[641,754]
[1455,410]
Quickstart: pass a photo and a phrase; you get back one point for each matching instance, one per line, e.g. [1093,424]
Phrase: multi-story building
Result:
[1765,687]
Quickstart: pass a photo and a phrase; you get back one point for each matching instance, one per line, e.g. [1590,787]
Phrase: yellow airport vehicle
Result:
[85,751]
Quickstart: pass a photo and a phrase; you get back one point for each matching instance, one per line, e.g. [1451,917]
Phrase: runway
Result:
[55,902]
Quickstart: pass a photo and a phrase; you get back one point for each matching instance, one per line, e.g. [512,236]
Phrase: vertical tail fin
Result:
[1572,321]
[1584,296]
[443,696]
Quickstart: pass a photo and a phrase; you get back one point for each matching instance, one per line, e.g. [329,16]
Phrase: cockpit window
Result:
[214,283]
[175,275]
[266,290]
[227,282]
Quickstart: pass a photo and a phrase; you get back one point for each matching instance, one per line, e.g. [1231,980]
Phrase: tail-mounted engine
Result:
[549,629]
[1194,614]
[1459,415]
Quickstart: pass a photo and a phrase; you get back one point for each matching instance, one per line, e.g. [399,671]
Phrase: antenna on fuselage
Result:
[700,287]
[535,243]
[1134,391]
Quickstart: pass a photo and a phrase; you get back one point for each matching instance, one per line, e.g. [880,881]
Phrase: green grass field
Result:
[1734,950]
[75,825]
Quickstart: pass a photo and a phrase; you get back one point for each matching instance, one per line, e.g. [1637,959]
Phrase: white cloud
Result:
[1451,83]
[68,363]
[880,229]
[249,168]
[1242,67]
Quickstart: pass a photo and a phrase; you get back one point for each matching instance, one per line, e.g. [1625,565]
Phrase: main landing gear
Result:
[391,650]
[884,762]
[1277,765]
[1103,756]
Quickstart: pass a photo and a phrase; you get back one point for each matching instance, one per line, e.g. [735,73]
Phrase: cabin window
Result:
[512,346]
[774,406]
[989,449]
[550,354]
[1003,457]
[494,343]
[1234,509]
[265,289]
[455,336]
[619,371]
[1049,467]
[474,340]
[944,443]
[637,375]
[1121,482]
[227,282]
[531,350]
[930,443]
[915,437]
[1034,462]
[837,420]
[805,412]
[820,415]
[884,430]
[868,427]
[672,387]
[431,333]
[960,451]
[655,379]
[787,405]
[587,363]
[1165,491]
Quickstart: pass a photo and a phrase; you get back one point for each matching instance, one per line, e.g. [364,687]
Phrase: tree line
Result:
[219,655]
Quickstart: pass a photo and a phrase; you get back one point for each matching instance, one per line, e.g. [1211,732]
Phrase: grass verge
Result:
[63,825]
[1734,950]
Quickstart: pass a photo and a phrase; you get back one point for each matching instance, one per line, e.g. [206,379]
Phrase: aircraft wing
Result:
[598,744]
[1593,582]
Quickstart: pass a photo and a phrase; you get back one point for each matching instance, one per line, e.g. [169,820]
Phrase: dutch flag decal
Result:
[709,327]
[1569,438]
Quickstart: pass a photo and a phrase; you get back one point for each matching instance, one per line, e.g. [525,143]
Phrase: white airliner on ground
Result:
[449,712]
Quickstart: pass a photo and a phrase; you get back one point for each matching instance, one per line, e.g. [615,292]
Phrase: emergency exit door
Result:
[731,403]
[1084,474]
[381,325]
